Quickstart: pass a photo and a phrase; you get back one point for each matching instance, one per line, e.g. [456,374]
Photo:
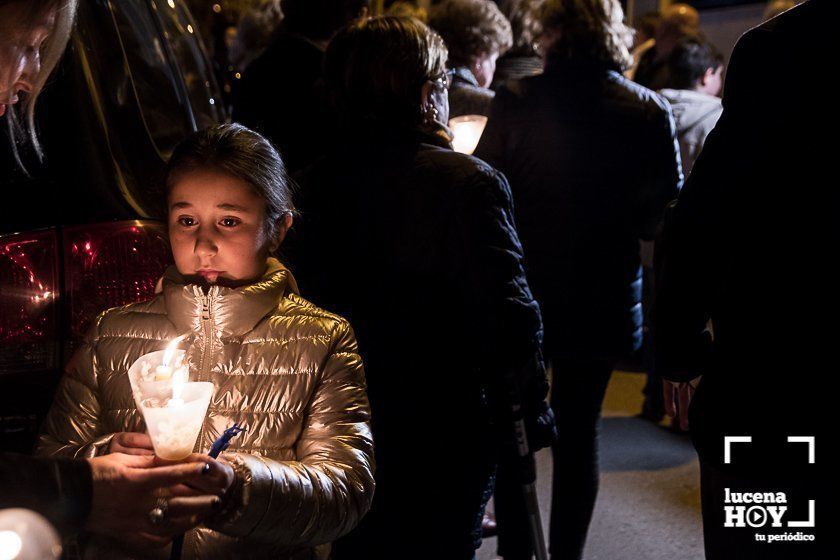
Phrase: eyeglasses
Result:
[443,80]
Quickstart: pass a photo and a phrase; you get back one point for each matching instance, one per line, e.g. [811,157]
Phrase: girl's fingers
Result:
[135,439]
[134,451]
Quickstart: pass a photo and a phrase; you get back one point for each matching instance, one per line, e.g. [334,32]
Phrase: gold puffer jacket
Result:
[288,371]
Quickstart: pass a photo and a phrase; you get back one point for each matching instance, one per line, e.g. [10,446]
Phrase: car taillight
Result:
[28,294]
[109,265]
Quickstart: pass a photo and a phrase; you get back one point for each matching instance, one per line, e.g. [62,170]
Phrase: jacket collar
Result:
[232,311]
[464,74]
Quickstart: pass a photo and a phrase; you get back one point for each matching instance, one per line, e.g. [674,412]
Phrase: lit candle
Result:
[173,407]
[164,370]
[466,132]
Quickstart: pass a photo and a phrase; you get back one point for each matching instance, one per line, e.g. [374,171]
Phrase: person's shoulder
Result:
[460,168]
[136,320]
[632,95]
[296,317]
[519,90]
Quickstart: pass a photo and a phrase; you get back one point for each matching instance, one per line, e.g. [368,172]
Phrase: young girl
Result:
[301,474]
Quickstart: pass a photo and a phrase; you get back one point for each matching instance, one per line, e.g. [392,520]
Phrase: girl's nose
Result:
[205,247]
[31,69]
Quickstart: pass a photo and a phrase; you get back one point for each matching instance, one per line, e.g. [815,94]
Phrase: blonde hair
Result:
[588,29]
[51,52]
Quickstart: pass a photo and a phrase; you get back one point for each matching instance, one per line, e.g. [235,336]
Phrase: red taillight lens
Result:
[109,265]
[28,294]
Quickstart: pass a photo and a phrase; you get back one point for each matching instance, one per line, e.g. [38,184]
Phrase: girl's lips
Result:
[210,275]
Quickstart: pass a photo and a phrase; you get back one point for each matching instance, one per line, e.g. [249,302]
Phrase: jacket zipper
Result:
[203,375]
[208,328]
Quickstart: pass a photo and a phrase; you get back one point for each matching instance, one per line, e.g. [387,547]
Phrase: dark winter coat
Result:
[592,161]
[416,245]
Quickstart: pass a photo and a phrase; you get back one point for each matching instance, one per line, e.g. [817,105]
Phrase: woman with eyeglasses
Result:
[416,245]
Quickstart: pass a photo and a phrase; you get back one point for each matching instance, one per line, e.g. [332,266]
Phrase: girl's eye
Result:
[230,222]
[186,221]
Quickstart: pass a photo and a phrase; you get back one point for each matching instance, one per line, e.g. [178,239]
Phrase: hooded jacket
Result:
[283,368]
[695,115]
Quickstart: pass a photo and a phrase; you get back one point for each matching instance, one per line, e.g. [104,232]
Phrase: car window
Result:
[155,83]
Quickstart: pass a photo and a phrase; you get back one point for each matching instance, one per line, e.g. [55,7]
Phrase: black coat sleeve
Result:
[58,489]
[491,281]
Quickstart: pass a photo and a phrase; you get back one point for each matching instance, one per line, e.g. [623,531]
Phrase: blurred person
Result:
[592,159]
[33,36]
[749,246]
[523,59]
[695,74]
[281,94]
[678,21]
[695,79]
[643,39]
[475,33]
[254,33]
[776,7]
[302,473]
[106,495]
[429,270]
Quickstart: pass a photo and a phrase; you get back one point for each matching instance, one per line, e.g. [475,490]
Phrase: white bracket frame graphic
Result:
[812,445]
[727,446]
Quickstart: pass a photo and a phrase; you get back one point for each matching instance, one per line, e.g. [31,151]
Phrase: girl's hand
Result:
[131,443]
[217,477]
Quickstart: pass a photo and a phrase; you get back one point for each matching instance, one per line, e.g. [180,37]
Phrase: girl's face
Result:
[20,51]
[218,229]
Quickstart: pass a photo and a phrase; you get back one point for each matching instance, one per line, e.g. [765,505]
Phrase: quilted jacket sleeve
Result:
[325,493]
[73,426]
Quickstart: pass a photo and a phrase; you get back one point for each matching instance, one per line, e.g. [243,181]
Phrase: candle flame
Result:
[171,349]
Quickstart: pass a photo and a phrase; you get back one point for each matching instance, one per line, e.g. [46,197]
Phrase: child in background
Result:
[302,474]
[695,78]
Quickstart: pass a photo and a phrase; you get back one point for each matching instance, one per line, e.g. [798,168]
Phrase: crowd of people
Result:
[377,307]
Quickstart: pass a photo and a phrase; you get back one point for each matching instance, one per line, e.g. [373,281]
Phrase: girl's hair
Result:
[376,68]
[471,29]
[28,13]
[587,30]
[239,152]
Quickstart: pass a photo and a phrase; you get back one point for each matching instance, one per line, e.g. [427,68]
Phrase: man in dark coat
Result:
[281,94]
[751,246]
[592,161]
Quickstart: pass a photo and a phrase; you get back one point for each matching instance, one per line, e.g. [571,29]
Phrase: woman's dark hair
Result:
[320,19]
[375,69]
[239,152]
[471,29]
[690,60]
